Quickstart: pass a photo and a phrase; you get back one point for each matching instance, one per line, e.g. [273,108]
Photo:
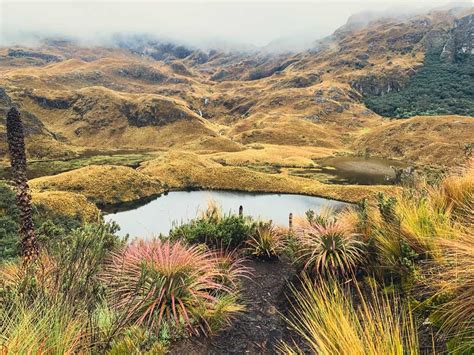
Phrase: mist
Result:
[226,25]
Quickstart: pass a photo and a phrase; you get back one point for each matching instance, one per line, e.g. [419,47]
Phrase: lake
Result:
[159,215]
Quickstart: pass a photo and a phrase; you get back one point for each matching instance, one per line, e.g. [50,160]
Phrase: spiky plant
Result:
[16,147]
[328,249]
[160,283]
[266,242]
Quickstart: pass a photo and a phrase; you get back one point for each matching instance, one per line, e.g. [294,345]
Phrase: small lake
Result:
[159,215]
[360,170]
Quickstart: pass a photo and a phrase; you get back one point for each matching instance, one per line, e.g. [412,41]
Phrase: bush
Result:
[168,286]
[136,340]
[66,272]
[438,88]
[226,232]
[9,217]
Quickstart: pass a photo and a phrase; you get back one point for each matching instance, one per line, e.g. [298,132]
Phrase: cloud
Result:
[197,23]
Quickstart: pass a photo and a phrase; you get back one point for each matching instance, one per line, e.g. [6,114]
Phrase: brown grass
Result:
[67,203]
[103,184]
[183,170]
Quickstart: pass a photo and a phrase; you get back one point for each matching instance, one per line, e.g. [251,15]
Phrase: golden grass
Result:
[41,329]
[67,203]
[327,318]
[456,194]
[181,170]
[103,184]
[424,140]
[272,154]
[453,275]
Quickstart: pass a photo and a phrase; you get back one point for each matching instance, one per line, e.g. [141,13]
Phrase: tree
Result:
[16,147]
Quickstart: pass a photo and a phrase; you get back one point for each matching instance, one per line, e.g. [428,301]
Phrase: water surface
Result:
[159,215]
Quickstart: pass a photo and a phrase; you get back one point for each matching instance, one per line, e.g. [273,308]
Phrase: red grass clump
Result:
[156,282]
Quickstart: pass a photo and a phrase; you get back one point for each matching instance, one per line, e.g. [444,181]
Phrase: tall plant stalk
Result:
[16,147]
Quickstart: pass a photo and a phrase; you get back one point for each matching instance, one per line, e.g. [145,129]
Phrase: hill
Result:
[255,110]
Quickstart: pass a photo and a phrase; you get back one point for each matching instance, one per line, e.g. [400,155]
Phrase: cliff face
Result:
[459,44]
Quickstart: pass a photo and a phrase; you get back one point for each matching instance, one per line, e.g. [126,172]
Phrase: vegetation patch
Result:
[437,88]
[104,184]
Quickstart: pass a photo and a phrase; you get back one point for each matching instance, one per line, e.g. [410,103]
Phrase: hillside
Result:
[254,110]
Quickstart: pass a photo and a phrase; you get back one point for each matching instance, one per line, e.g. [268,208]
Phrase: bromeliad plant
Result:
[330,248]
[169,285]
[267,241]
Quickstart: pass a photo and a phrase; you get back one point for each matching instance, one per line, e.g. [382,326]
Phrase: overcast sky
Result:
[194,22]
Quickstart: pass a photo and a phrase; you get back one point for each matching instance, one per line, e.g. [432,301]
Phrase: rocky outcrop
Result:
[379,84]
[265,71]
[154,113]
[300,81]
[52,103]
[460,42]
[21,53]
[143,73]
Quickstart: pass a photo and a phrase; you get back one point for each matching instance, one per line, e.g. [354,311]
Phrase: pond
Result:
[360,170]
[159,215]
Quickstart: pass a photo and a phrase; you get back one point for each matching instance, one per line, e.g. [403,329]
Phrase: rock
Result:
[142,72]
[154,113]
[21,53]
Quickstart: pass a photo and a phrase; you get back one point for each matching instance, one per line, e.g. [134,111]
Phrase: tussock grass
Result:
[328,247]
[41,328]
[103,184]
[180,169]
[453,278]
[67,203]
[327,317]
[267,241]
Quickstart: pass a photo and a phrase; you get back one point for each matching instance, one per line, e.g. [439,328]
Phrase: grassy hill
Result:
[254,114]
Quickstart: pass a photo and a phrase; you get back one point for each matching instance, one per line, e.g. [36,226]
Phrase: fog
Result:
[227,25]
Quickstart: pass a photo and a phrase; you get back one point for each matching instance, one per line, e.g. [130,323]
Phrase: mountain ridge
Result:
[152,95]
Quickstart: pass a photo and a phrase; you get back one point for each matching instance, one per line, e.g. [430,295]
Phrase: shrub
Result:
[226,232]
[437,88]
[266,242]
[326,317]
[168,285]
[328,249]
[136,340]
[66,272]
[325,216]
[9,217]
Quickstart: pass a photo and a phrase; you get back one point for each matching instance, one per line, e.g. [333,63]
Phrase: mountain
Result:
[141,94]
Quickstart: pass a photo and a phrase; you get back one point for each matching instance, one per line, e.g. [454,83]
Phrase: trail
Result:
[260,328]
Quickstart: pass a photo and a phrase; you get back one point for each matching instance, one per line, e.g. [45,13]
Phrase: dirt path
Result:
[260,329]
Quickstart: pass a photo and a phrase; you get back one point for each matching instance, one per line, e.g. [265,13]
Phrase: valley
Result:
[162,197]
[269,117]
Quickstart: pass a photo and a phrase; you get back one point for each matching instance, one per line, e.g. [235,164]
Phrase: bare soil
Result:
[261,328]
